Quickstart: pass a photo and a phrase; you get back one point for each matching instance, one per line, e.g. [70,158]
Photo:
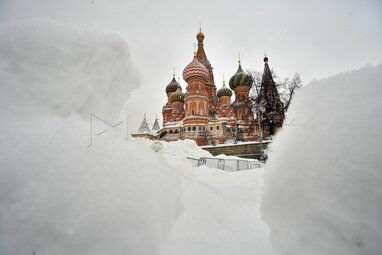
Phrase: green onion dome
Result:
[224,91]
[240,78]
[172,86]
[178,95]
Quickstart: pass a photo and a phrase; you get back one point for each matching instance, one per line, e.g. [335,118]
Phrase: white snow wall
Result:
[323,183]
[56,195]
[56,68]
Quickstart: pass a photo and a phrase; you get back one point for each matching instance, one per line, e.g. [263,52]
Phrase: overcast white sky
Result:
[313,38]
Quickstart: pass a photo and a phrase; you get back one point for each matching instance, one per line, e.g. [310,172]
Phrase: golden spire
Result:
[239,58]
[223,81]
[144,115]
[200,35]
[173,72]
[194,50]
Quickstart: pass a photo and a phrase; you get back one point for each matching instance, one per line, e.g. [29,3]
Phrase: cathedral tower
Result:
[210,83]
[270,101]
[241,83]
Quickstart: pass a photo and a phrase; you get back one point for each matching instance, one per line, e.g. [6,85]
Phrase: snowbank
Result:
[58,196]
[323,183]
[55,68]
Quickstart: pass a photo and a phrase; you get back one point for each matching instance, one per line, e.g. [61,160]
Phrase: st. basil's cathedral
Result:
[207,115]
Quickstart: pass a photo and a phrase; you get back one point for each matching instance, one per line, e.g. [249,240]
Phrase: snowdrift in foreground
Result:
[56,195]
[323,183]
[59,197]
[62,69]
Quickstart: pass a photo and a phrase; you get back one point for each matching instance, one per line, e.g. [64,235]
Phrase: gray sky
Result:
[313,38]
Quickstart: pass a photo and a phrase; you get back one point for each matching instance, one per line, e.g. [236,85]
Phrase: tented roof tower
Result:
[144,128]
[156,125]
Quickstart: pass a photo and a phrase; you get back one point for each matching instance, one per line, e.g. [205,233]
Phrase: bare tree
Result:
[286,88]
[270,111]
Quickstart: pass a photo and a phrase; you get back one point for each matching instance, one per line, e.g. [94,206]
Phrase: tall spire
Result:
[267,74]
[202,57]
[156,124]
[144,128]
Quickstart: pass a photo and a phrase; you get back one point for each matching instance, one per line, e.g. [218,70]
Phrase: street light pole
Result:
[260,132]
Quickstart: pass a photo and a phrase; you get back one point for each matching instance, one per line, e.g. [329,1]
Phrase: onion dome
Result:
[195,69]
[240,78]
[224,91]
[178,95]
[172,86]
[200,35]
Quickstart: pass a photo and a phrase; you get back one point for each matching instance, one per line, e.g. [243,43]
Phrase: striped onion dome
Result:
[224,91]
[178,95]
[195,69]
[240,78]
[172,86]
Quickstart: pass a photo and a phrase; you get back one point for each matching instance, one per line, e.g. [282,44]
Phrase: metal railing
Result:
[230,165]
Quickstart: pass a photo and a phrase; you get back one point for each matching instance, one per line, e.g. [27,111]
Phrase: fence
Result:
[230,165]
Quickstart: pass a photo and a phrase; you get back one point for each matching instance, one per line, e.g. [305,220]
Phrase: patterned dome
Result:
[178,95]
[172,86]
[240,78]
[224,91]
[195,69]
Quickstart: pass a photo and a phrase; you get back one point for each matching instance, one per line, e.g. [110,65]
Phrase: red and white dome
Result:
[195,69]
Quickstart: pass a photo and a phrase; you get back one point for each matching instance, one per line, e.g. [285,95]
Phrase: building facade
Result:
[202,112]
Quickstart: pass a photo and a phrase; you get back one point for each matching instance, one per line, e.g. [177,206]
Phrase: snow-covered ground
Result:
[58,195]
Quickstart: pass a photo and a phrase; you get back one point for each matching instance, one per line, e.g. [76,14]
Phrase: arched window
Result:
[170,131]
[193,112]
[189,129]
[211,128]
[193,128]
[217,127]
[176,131]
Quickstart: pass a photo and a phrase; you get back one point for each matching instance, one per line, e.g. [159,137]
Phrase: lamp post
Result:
[259,109]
